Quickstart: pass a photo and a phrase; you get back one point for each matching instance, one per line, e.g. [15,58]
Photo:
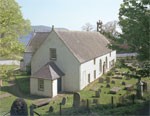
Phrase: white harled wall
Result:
[65,61]
[76,74]
[34,87]
[54,88]
[89,67]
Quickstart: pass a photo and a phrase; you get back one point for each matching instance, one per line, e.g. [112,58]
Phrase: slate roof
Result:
[36,41]
[85,45]
[49,71]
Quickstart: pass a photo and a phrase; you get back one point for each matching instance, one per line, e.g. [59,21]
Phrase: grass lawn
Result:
[104,107]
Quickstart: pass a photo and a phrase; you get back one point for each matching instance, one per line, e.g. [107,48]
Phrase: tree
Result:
[87,27]
[12,27]
[134,19]
[111,31]
[111,28]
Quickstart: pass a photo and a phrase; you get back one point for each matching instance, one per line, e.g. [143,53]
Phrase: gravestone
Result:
[114,90]
[99,90]
[102,86]
[32,107]
[83,102]
[101,80]
[144,86]
[129,87]
[113,81]
[19,108]
[108,79]
[76,100]
[51,109]
[139,92]
[128,78]
[95,101]
[97,94]
[108,86]
[123,83]
[63,101]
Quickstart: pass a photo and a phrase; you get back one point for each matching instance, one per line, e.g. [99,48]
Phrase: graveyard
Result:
[117,92]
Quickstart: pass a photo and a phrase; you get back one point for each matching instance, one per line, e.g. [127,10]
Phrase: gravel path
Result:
[9,62]
[5,95]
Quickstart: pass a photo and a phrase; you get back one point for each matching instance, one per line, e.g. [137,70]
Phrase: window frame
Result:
[94,74]
[52,53]
[40,84]
[89,78]
[94,61]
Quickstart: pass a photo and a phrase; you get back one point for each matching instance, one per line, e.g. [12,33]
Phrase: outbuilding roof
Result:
[48,71]
[36,41]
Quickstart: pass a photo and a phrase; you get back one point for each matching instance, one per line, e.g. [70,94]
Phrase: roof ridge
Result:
[76,31]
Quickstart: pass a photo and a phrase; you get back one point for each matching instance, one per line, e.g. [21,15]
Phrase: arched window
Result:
[100,65]
[106,62]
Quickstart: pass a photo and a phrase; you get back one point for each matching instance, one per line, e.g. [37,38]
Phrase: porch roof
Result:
[48,71]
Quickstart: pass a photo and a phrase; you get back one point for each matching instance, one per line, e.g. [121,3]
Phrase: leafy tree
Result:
[12,27]
[110,30]
[134,19]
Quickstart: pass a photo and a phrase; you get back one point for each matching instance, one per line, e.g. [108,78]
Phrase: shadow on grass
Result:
[20,87]
[104,109]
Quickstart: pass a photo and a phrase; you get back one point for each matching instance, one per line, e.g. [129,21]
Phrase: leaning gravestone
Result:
[51,109]
[76,100]
[63,101]
[101,80]
[19,108]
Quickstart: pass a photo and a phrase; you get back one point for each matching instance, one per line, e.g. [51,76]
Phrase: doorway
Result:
[59,84]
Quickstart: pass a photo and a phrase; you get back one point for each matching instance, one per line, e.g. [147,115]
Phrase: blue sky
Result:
[71,14]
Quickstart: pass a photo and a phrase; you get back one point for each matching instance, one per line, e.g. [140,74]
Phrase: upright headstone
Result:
[97,93]
[63,101]
[51,109]
[83,103]
[95,101]
[31,110]
[108,86]
[139,92]
[76,100]
[19,108]
[113,81]
[144,86]
[123,83]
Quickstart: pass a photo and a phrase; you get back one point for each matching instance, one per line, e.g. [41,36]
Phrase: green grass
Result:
[23,81]
[104,107]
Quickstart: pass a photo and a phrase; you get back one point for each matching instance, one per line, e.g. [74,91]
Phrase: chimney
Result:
[52,27]
[99,26]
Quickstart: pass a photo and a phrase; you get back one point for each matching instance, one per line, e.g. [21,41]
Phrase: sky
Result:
[70,14]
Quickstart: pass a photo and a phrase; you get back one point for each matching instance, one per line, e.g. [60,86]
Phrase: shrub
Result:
[28,69]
